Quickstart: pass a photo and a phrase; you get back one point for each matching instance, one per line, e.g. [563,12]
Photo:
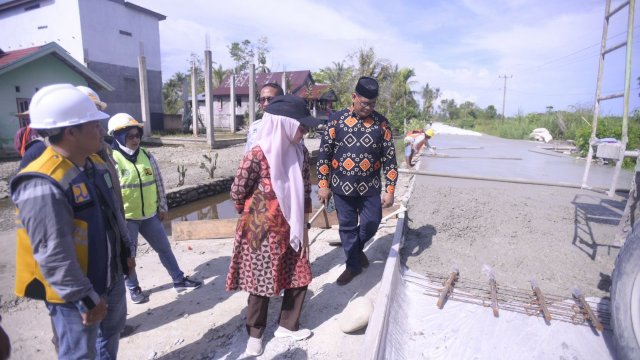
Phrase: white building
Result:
[105,35]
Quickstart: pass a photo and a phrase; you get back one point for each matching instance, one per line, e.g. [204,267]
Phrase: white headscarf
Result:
[285,163]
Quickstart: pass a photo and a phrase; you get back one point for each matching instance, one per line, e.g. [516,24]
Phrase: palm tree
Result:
[340,77]
[429,97]
[218,74]
[367,64]
[172,93]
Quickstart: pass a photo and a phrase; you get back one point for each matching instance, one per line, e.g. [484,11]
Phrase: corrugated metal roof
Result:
[317,91]
[10,57]
[296,80]
[12,60]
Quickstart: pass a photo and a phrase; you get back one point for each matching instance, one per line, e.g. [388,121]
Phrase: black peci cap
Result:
[294,107]
[367,87]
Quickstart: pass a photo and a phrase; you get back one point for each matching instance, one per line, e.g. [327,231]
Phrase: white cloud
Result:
[460,46]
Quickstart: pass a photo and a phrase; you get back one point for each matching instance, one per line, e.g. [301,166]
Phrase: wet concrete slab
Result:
[534,164]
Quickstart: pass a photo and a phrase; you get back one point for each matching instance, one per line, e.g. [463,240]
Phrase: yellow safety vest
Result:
[89,233]
[138,184]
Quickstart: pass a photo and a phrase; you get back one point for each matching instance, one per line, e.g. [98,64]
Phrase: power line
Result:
[575,52]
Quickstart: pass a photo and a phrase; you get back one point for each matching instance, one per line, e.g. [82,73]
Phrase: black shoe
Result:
[346,277]
[364,260]
[137,296]
[186,284]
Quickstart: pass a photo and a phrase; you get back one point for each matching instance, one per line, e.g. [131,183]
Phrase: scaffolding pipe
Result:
[625,109]
[596,105]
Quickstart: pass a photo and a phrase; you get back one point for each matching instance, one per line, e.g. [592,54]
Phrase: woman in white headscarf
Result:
[272,192]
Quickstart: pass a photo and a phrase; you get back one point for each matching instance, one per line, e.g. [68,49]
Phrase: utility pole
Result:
[144,93]
[504,92]
[208,91]
[194,96]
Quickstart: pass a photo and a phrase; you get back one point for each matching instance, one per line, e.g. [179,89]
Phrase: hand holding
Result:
[95,315]
[305,245]
[387,200]
[323,195]
[131,264]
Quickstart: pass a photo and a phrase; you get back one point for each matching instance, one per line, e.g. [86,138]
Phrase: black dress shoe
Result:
[364,260]
[346,277]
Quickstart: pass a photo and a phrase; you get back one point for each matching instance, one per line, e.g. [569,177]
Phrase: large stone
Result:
[355,315]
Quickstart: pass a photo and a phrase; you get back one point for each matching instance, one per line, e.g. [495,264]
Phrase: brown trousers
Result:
[258,307]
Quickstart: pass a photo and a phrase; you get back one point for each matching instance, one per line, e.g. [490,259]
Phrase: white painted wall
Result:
[222,111]
[101,24]
[59,21]
[79,25]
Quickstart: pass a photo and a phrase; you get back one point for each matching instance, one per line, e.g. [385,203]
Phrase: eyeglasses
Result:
[263,99]
[367,104]
[134,136]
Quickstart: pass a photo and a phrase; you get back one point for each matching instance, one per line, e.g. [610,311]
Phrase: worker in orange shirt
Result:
[414,141]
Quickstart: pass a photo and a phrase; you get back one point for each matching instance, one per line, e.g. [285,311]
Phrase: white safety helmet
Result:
[93,96]
[62,105]
[121,121]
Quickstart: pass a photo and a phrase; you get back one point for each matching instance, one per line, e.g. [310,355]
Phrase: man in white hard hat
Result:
[72,251]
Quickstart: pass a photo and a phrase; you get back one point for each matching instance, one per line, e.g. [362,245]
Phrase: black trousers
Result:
[258,307]
[359,218]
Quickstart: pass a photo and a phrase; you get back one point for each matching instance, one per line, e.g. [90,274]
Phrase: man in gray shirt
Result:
[72,247]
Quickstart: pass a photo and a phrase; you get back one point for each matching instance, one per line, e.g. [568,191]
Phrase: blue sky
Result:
[549,47]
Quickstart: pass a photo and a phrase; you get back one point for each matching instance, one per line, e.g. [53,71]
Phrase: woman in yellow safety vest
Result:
[143,197]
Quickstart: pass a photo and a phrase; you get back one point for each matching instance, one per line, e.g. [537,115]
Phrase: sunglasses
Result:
[303,128]
[263,99]
[367,104]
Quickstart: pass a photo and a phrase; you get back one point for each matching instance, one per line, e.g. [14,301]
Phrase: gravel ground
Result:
[562,237]
[169,158]
[208,323]
[559,236]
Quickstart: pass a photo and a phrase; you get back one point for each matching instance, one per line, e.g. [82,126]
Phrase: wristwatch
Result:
[85,304]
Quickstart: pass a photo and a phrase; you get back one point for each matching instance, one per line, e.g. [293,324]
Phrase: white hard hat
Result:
[121,121]
[61,105]
[93,96]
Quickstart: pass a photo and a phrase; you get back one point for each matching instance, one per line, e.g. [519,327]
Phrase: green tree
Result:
[172,93]
[366,63]
[429,97]
[218,74]
[491,112]
[340,77]
[242,54]
[261,51]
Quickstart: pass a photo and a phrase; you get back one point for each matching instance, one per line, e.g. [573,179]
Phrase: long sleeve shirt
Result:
[354,151]
[162,196]
[48,218]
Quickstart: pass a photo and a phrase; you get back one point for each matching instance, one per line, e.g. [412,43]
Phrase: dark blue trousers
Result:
[359,218]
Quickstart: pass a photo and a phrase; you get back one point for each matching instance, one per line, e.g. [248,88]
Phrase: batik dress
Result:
[263,262]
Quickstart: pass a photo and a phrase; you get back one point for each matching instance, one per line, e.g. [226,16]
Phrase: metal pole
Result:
[194,97]
[504,94]
[625,111]
[596,104]
[208,89]
[232,104]
[284,82]
[144,93]
[252,93]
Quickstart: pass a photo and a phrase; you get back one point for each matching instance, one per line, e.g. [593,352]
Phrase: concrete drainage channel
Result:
[406,323]
[383,338]
[406,301]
